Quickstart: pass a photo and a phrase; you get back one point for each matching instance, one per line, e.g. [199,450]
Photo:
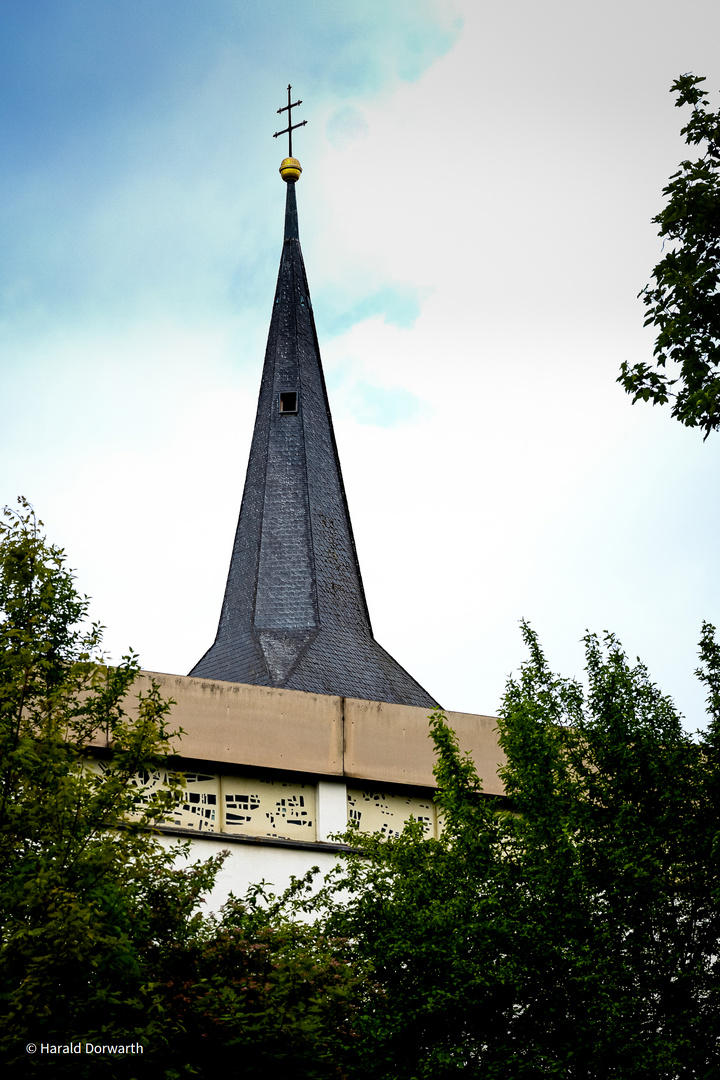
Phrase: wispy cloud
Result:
[475,218]
[397,305]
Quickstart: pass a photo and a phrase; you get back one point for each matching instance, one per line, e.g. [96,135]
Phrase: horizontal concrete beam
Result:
[392,743]
[316,733]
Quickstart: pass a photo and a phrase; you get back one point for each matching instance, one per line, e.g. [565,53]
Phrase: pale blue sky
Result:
[475,207]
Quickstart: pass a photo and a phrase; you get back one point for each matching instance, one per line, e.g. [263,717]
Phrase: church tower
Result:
[294,613]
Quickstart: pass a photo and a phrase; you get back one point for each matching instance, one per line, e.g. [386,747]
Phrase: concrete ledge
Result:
[255,725]
[316,733]
[392,743]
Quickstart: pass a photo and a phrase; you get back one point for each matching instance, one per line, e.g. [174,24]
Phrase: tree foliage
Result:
[683,300]
[71,838]
[102,939]
[572,930]
[262,993]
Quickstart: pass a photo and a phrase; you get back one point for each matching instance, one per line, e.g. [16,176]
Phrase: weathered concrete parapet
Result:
[289,730]
[392,744]
[266,727]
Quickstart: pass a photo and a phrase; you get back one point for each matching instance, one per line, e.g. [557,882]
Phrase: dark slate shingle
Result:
[294,613]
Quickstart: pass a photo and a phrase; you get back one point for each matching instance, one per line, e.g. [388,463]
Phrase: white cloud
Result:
[475,237]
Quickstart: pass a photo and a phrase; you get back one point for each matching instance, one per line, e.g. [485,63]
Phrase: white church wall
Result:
[250,864]
[263,858]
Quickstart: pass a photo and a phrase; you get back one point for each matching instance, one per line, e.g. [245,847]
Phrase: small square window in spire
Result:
[289,401]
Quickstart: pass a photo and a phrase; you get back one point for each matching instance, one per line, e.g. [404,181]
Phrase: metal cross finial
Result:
[291,127]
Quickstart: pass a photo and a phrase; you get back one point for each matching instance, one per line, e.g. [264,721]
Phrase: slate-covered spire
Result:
[294,613]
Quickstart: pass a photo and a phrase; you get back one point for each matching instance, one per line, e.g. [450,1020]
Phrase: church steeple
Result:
[294,613]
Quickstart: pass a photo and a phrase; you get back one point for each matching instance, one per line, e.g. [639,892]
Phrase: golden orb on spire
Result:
[290,169]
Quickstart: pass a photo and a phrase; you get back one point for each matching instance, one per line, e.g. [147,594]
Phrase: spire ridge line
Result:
[294,613]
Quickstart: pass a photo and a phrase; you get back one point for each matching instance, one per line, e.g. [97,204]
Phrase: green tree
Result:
[572,929]
[81,873]
[263,988]
[101,934]
[683,300]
